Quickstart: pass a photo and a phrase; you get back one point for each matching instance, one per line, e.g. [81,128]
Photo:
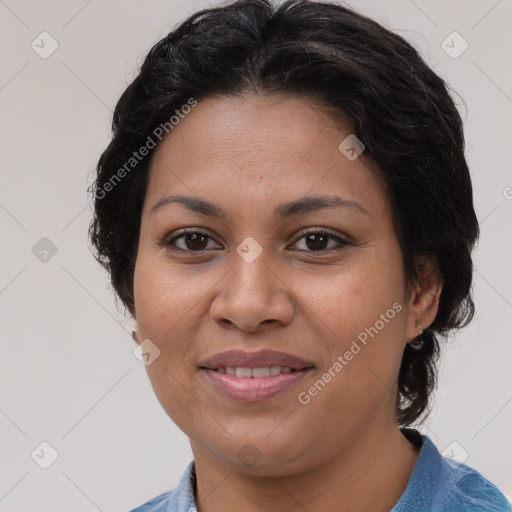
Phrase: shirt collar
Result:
[182,497]
[422,484]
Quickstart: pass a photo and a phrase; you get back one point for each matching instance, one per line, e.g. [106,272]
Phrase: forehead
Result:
[250,149]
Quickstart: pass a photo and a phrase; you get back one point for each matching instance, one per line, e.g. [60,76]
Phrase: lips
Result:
[253,376]
[260,359]
[256,388]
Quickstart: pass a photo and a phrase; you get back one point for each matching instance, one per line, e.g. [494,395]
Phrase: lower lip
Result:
[254,388]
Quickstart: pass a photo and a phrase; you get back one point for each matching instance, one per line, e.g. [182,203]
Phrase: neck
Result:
[371,473]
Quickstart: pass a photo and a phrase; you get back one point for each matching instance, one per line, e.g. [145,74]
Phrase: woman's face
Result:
[323,286]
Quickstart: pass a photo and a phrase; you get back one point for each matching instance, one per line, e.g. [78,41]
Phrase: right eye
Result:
[191,241]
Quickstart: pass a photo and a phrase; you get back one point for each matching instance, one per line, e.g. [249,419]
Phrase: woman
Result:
[286,211]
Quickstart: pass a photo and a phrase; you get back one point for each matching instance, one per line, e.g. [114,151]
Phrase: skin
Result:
[247,155]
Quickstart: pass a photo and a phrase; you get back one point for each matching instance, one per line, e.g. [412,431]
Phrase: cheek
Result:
[363,352]
[163,296]
[350,299]
[360,313]
[167,305]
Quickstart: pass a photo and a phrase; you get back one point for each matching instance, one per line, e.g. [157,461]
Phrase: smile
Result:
[244,372]
[249,385]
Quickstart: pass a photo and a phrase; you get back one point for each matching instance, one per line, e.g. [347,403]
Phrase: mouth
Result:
[254,376]
[243,384]
[245,372]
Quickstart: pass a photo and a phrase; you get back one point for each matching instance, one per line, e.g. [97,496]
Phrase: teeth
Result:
[261,372]
[275,370]
[244,372]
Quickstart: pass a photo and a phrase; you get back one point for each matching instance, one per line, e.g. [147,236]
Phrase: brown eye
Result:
[190,241]
[318,241]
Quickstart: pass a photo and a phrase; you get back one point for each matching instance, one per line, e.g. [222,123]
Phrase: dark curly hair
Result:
[354,67]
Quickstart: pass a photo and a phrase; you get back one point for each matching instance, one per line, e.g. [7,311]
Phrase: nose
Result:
[253,295]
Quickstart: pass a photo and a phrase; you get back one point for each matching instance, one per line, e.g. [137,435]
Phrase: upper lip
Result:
[259,359]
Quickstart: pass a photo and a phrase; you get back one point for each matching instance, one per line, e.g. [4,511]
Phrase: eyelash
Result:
[169,243]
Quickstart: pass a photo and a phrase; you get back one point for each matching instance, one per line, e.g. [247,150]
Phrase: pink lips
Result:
[254,388]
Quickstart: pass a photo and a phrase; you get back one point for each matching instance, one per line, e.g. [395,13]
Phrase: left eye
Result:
[317,241]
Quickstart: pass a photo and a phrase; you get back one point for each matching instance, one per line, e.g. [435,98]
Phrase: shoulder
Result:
[463,487]
[180,499]
[440,484]
[157,504]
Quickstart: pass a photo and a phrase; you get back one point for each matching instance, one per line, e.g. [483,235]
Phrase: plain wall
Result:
[67,369]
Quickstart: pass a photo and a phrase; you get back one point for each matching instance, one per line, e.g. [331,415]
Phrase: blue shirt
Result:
[437,484]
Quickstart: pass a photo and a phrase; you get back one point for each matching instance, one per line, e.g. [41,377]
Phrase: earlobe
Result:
[134,336]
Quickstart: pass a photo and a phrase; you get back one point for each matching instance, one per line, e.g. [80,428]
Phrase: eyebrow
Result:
[300,206]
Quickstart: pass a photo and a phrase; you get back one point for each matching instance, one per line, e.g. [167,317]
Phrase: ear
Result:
[424,296]
[135,338]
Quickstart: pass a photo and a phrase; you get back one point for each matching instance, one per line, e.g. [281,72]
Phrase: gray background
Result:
[67,369]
